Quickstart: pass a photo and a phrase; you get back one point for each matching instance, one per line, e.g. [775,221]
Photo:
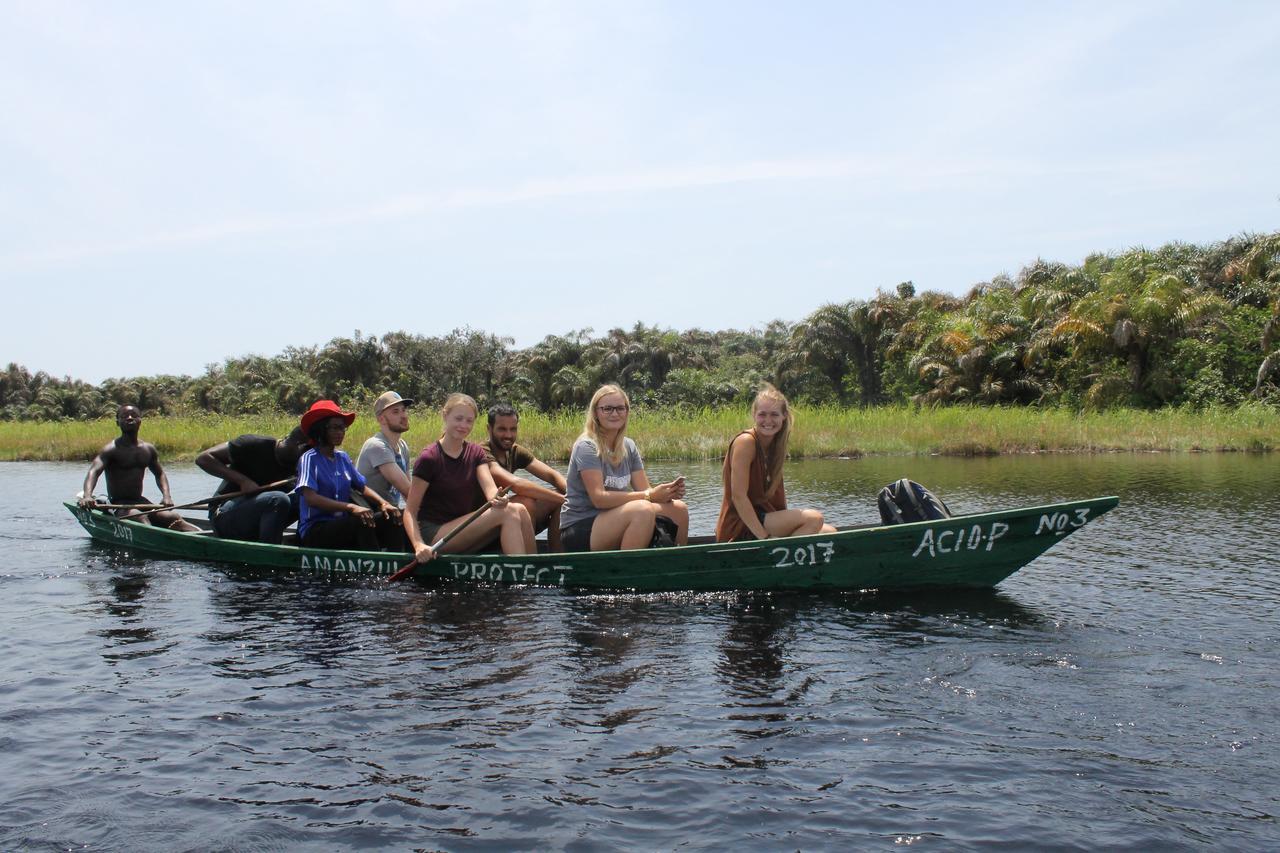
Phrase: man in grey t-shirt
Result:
[384,459]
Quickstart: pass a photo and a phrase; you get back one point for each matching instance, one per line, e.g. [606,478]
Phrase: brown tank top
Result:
[730,526]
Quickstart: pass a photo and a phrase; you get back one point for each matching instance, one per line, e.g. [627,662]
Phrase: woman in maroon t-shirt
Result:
[442,493]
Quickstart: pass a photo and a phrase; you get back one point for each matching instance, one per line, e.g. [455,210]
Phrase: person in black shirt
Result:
[245,463]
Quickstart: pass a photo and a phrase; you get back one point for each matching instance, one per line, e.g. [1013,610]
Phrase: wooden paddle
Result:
[217,498]
[435,549]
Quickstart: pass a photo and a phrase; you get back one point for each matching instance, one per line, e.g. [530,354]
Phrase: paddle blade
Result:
[403,572]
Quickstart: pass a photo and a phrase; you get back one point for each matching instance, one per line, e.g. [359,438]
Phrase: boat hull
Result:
[972,551]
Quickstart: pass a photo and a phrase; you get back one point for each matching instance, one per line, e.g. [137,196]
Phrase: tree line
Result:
[1178,325]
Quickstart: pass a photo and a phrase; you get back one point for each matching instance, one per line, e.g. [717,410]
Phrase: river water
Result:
[1118,693]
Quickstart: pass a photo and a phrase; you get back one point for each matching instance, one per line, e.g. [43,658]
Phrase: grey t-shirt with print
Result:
[378,451]
[617,478]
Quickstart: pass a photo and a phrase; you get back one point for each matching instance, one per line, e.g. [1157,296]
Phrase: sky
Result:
[184,183]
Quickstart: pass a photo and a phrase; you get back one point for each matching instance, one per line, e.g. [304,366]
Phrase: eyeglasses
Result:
[612,410]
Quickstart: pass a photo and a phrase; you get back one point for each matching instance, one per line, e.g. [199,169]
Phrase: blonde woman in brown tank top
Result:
[755,499]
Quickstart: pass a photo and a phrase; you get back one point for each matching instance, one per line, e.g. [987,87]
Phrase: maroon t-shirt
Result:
[453,491]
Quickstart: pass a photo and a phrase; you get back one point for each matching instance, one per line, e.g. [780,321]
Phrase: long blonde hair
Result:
[591,426]
[777,455]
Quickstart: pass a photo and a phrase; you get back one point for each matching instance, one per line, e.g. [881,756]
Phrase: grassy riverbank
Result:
[820,432]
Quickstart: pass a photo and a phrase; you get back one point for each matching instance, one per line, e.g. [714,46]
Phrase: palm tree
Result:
[571,387]
[1138,309]
[1252,277]
[345,366]
[829,341]
[538,365]
[15,388]
[978,354]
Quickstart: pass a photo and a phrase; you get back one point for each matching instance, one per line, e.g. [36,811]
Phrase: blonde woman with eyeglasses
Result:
[609,503]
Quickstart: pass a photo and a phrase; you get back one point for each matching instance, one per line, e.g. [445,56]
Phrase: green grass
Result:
[700,435]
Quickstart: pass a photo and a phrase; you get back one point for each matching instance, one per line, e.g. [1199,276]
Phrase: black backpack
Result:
[664,533]
[906,501]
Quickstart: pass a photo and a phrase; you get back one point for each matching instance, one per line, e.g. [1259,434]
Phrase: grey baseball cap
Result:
[389,398]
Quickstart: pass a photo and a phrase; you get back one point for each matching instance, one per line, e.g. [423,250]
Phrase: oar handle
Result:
[264,488]
[443,540]
[220,498]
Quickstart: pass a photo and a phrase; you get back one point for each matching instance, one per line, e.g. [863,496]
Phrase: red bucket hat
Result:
[322,409]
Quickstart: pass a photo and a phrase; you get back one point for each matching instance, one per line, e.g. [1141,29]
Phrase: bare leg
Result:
[176,522]
[677,511]
[477,533]
[553,530]
[625,527]
[793,522]
[541,512]
[528,503]
[515,531]
[170,520]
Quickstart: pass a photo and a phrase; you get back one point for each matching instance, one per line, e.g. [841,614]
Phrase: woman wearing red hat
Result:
[326,478]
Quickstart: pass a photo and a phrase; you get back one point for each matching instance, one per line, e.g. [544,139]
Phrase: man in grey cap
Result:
[384,459]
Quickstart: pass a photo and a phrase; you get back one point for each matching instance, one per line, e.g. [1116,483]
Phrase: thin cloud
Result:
[876,173]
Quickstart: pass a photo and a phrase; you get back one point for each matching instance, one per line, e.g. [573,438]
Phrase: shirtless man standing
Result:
[125,462]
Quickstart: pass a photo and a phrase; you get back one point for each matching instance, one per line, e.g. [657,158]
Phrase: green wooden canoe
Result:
[975,551]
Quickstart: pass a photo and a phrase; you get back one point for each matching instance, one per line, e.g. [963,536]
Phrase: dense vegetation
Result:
[703,434]
[1181,325]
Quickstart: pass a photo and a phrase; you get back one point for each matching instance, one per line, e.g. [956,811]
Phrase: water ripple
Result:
[1117,693]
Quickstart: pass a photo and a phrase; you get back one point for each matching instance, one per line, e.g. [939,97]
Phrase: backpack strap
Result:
[908,489]
[888,502]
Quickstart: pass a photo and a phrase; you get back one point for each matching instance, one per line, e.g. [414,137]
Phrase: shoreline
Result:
[702,435]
